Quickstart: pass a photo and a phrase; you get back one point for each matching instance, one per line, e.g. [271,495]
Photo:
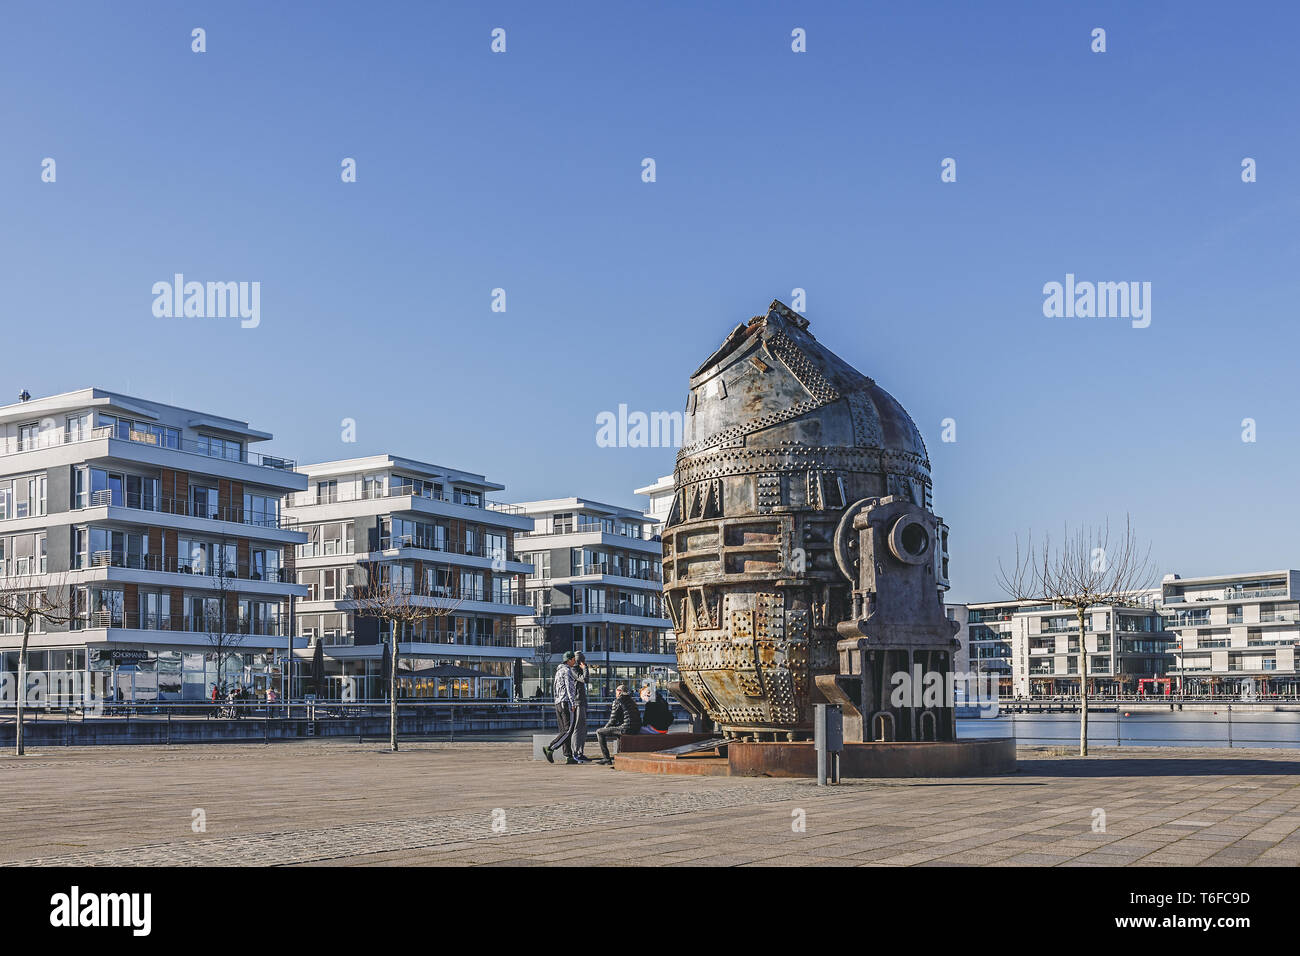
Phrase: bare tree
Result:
[223,633]
[1085,571]
[52,603]
[404,606]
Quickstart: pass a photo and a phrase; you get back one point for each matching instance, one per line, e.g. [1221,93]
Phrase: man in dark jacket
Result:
[624,718]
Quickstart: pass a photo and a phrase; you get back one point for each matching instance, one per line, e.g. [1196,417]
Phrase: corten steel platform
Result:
[963,758]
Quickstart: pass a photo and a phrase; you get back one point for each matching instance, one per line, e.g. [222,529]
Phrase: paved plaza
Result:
[465,804]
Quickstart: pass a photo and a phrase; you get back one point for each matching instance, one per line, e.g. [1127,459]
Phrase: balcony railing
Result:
[55,437]
[173,565]
[423,543]
[616,570]
[378,492]
[180,506]
[644,533]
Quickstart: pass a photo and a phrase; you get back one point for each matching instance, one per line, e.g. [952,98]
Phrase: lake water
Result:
[1178,729]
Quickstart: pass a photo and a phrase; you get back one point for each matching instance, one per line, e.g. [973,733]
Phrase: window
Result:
[471,586]
[226,448]
[155,611]
[503,589]
[262,511]
[142,493]
[327,492]
[77,427]
[204,502]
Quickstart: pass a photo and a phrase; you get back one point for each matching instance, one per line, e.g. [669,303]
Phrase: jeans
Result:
[564,718]
[604,734]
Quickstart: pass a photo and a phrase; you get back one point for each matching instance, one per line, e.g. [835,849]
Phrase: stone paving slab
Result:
[489,804]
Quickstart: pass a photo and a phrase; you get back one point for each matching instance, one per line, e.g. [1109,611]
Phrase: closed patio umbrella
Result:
[386,669]
[318,668]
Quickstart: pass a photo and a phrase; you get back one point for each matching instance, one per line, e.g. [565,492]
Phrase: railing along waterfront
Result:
[213,722]
[1228,726]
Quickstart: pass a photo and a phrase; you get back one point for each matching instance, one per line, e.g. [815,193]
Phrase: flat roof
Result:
[551,505]
[418,469]
[108,400]
[1220,578]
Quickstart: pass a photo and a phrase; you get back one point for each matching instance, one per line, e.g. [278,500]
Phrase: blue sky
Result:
[775,170]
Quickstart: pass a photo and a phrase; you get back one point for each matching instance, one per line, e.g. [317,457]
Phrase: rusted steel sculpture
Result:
[794,467]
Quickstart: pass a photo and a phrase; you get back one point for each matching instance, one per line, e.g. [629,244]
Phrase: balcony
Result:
[173,565]
[613,569]
[380,492]
[393,542]
[179,506]
[644,532]
[54,438]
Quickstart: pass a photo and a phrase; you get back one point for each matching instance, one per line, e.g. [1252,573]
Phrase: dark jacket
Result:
[658,714]
[625,715]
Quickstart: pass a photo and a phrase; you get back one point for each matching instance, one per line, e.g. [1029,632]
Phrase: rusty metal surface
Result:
[781,437]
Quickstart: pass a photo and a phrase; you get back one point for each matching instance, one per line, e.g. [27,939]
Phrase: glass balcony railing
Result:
[54,437]
[180,506]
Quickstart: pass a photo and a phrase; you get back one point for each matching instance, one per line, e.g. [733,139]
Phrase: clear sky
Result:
[775,170]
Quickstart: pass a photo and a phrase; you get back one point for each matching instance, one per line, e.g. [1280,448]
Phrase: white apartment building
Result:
[165,531]
[985,636]
[661,495]
[596,586]
[433,530]
[1124,645]
[1236,633]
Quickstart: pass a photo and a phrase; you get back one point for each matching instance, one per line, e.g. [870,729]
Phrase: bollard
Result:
[828,739]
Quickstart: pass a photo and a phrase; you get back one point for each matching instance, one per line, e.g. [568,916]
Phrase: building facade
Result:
[1235,633]
[1124,645]
[597,587]
[432,532]
[165,531]
[986,631]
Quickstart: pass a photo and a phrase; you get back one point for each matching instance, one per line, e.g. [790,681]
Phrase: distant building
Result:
[985,637]
[1123,644]
[166,528]
[661,498]
[432,530]
[1236,633]
[596,586]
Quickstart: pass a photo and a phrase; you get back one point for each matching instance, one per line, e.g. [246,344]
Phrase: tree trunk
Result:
[22,684]
[392,694]
[1083,687]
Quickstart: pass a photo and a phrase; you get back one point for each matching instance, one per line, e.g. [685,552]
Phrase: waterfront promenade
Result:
[462,804]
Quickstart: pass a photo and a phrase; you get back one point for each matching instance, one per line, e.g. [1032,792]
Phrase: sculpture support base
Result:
[981,757]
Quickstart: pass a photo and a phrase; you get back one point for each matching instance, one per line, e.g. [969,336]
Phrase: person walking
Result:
[580,674]
[566,702]
[624,718]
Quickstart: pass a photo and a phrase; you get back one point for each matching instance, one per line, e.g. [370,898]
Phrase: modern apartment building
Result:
[433,531]
[985,636]
[1236,633]
[661,495]
[596,586]
[165,531]
[1123,645]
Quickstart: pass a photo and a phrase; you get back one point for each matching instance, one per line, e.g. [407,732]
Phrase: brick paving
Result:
[490,804]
